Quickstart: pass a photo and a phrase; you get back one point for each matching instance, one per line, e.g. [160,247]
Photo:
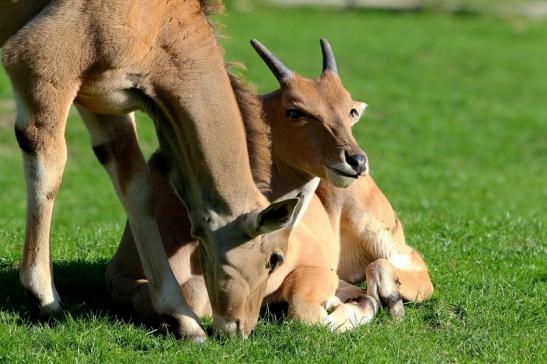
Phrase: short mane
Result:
[212,7]
[257,132]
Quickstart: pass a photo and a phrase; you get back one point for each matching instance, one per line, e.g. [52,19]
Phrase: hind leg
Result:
[355,312]
[195,293]
[133,291]
[347,291]
[354,307]
[39,128]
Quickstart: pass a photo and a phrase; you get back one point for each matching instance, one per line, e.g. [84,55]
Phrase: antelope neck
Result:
[289,182]
[286,180]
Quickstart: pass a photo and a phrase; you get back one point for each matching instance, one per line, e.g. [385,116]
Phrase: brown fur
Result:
[111,58]
[211,7]
[257,132]
[307,279]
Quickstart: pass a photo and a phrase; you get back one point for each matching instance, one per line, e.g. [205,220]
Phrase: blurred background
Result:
[456,134]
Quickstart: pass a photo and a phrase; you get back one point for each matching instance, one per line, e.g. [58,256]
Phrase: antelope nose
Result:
[357,162]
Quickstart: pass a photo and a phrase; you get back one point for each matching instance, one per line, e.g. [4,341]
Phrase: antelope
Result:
[308,123]
[110,58]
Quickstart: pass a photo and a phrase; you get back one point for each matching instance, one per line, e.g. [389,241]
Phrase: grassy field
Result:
[457,137]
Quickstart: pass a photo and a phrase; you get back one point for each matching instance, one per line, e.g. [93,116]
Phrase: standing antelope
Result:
[111,58]
[310,126]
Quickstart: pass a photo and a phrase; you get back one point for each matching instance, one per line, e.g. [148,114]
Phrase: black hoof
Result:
[42,313]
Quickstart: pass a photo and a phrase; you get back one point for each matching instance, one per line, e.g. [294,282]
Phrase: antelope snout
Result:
[228,327]
[358,162]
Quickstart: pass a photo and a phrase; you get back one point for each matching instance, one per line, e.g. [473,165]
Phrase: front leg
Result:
[39,128]
[115,145]
[403,277]
[310,291]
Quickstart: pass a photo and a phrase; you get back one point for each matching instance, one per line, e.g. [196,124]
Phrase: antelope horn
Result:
[280,71]
[329,62]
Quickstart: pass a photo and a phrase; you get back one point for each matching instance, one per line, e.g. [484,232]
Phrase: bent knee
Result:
[379,269]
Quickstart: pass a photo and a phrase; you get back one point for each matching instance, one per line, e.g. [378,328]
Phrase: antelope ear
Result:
[360,107]
[277,216]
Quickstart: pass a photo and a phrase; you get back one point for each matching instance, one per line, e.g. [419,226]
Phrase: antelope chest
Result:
[312,243]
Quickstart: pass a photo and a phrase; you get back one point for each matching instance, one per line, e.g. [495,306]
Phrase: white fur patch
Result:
[381,242]
[401,261]
[360,107]
[331,303]
[43,287]
[338,179]
[348,316]
[308,191]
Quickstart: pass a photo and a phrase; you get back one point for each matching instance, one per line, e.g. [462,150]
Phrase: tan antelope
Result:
[309,122]
[110,58]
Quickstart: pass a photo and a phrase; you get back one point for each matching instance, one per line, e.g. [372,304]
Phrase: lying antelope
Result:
[310,126]
[110,58]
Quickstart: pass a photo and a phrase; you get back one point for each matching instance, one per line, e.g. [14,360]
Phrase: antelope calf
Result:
[308,123]
[111,58]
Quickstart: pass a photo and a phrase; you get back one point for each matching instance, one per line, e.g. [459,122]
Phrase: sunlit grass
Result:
[456,134]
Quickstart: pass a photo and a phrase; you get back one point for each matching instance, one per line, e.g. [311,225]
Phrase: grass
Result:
[456,134]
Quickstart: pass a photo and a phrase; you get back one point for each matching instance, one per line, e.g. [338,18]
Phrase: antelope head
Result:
[236,289]
[311,120]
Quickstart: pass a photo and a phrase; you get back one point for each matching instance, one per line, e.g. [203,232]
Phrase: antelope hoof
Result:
[331,304]
[349,315]
[185,328]
[343,319]
[51,311]
[43,311]
[396,310]
[198,339]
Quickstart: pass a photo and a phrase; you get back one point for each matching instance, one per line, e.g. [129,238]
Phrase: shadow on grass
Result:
[82,288]
[80,284]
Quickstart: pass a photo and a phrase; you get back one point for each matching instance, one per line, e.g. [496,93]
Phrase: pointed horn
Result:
[329,62]
[280,71]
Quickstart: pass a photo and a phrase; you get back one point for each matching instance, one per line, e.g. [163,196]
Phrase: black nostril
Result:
[356,161]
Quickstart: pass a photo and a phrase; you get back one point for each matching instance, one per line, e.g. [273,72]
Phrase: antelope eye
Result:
[275,261]
[354,113]
[295,114]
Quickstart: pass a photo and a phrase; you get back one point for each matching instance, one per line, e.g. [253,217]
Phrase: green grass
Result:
[457,137]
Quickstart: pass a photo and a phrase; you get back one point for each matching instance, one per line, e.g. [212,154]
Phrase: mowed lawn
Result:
[456,133]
